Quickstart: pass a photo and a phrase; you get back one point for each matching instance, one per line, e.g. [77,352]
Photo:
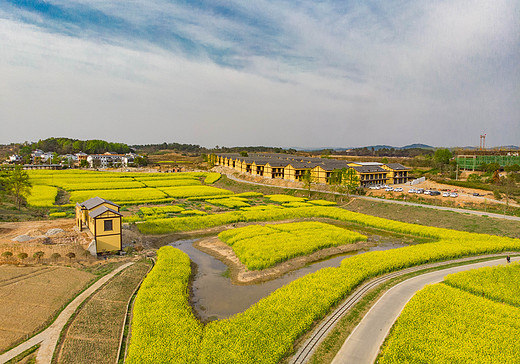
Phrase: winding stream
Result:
[214,297]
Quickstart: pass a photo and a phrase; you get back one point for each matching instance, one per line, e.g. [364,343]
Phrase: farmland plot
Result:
[31,296]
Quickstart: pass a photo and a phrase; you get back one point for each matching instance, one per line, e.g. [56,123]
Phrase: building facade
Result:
[103,220]
[294,168]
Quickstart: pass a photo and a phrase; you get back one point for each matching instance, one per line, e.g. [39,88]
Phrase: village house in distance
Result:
[49,160]
[102,220]
[293,168]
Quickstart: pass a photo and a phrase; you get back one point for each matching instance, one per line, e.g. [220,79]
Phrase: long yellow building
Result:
[103,219]
[293,168]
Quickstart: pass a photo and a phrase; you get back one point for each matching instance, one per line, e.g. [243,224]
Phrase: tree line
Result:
[68,146]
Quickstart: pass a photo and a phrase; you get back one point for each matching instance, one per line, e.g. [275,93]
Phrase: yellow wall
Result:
[100,227]
[319,174]
[289,173]
[108,243]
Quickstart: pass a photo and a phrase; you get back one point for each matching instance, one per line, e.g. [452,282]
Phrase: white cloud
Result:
[433,72]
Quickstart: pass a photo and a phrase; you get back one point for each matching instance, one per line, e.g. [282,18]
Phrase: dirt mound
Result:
[22,238]
[54,231]
[34,232]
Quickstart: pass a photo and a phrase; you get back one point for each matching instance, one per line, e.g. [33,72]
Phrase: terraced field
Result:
[120,187]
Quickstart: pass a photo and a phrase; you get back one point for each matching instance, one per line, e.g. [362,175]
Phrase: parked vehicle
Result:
[427,192]
[389,189]
[476,194]
[446,194]
[434,193]
[419,190]
[398,189]
[411,190]
[454,194]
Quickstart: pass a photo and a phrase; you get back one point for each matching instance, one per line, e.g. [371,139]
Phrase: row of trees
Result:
[7,255]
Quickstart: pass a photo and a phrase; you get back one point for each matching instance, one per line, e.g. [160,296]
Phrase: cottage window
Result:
[108,225]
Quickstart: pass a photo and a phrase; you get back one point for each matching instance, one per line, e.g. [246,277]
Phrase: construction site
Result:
[472,160]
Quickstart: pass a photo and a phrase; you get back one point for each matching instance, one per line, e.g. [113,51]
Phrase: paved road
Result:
[48,338]
[362,346]
[398,202]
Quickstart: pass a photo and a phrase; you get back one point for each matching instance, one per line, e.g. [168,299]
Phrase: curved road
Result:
[48,338]
[362,346]
[398,202]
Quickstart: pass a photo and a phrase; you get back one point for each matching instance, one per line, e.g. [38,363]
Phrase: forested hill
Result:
[67,145]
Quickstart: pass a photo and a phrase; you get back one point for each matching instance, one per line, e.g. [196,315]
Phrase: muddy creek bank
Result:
[214,296]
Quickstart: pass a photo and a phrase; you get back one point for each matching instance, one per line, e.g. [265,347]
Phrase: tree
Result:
[55,256]
[22,256]
[442,157]
[7,255]
[243,153]
[384,160]
[83,163]
[19,184]
[140,161]
[349,180]
[71,256]
[38,255]
[335,182]
[308,179]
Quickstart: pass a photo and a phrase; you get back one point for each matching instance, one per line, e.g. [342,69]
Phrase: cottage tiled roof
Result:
[96,201]
[101,210]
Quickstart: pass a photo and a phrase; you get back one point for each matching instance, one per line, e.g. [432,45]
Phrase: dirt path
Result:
[48,338]
[363,344]
[239,273]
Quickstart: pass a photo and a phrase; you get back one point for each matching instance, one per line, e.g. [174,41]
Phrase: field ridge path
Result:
[49,337]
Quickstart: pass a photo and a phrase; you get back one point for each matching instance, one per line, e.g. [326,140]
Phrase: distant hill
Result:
[422,146]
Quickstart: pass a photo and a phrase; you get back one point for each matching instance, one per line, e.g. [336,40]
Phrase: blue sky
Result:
[278,73]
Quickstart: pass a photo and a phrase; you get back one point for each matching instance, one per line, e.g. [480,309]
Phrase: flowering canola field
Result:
[260,247]
[454,322]
[120,187]
[266,331]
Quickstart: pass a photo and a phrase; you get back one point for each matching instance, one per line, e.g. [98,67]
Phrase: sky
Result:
[289,73]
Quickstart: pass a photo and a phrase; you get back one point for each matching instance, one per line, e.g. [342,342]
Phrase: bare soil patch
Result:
[30,297]
[38,236]
[241,275]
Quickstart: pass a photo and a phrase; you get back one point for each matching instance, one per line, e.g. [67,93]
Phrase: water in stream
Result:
[214,297]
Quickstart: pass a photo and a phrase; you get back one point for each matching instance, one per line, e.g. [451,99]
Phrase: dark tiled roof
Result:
[330,165]
[101,210]
[96,201]
[302,165]
[370,169]
[397,167]
[278,163]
